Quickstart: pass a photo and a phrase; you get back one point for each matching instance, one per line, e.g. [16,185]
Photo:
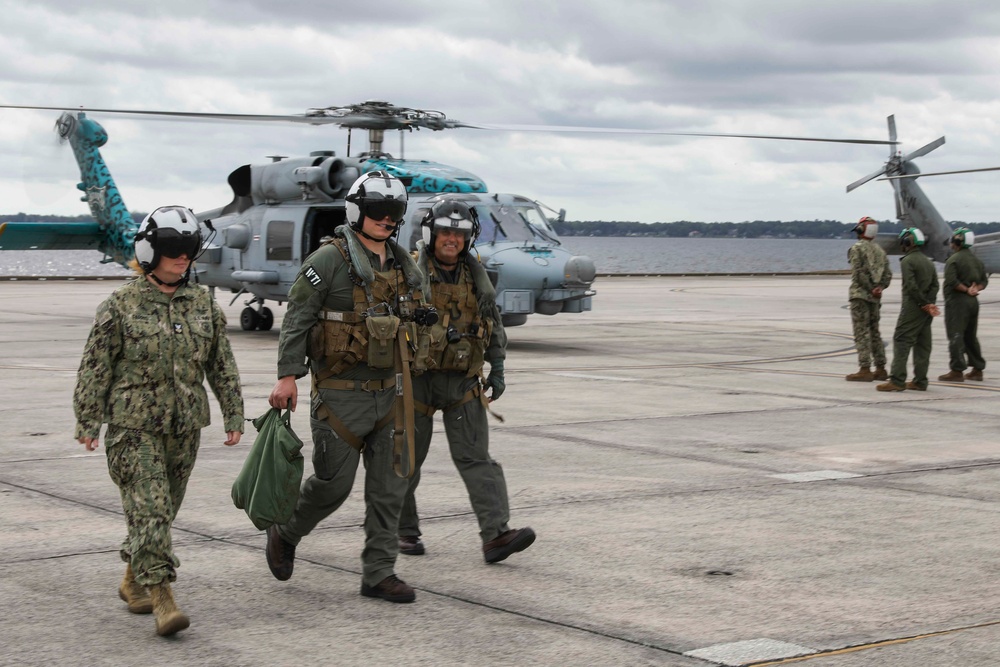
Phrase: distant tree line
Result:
[805,229]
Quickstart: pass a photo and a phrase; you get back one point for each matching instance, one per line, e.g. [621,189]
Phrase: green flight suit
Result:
[961,310]
[327,280]
[143,372]
[869,269]
[465,422]
[913,328]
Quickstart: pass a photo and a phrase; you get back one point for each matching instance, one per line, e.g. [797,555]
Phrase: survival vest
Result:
[458,341]
[368,332]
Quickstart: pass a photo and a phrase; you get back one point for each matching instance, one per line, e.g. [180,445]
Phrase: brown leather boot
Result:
[880,374]
[134,594]
[975,374]
[169,619]
[890,386]
[863,375]
[952,376]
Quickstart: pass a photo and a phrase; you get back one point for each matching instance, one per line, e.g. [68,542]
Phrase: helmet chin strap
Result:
[361,231]
[177,283]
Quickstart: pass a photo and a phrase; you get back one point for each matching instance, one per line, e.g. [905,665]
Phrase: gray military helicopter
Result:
[914,208]
[281,211]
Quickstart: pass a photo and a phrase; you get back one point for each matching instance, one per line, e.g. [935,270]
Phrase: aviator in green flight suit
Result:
[468,333]
[913,328]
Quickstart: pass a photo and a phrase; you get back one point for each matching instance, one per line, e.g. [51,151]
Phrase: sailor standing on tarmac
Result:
[344,312]
[468,333]
[870,275]
[917,311]
[964,278]
[153,344]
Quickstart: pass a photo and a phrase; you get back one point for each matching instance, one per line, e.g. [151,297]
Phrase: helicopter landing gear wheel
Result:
[250,320]
[266,319]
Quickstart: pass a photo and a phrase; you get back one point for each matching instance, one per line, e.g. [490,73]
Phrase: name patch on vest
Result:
[313,277]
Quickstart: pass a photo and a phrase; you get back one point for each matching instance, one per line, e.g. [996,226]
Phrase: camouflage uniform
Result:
[913,328]
[326,282]
[143,373]
[869,269]
[465,415]
[961,310]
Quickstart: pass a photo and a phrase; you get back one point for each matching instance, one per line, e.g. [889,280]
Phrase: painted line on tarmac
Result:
[871,645]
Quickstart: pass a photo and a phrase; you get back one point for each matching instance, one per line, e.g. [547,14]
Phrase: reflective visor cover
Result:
[458,225]
[172,243]
[380,209]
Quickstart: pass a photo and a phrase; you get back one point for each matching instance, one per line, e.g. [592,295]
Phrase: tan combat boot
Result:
[863,375]
[880,373]
[134,594]
[169,619]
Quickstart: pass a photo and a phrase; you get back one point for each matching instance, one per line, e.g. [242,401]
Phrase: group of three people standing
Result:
[156,340]
[964,277]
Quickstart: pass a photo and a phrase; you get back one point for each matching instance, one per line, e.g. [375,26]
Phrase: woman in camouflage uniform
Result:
[153,343]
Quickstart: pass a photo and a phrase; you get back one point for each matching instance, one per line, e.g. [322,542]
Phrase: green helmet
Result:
[911,236]
[963,237]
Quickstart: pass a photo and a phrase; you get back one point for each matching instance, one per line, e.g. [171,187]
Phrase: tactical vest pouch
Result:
[422,354]
[382,333]
[457,356]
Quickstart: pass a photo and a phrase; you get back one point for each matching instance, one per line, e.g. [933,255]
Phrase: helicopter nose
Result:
[580,270]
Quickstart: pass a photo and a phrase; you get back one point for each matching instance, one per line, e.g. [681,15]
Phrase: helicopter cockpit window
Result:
[539,223]
[502,222]
[280,234]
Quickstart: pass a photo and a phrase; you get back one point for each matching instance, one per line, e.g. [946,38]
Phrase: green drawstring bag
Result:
[268,485]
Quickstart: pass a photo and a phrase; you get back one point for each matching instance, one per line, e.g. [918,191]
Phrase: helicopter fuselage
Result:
[283,211]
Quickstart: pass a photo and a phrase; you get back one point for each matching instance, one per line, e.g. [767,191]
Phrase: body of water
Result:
[610,254]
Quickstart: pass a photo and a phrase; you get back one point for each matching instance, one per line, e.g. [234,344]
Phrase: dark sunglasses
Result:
[385,208]
[172,244]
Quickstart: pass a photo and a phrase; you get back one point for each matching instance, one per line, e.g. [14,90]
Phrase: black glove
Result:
[495,379]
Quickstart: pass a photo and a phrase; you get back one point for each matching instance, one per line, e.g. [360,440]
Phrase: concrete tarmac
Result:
[706,489]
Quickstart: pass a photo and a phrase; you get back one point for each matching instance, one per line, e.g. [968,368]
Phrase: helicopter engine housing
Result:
[320,178]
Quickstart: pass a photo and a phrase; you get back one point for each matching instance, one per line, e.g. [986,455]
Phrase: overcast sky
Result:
[819,68]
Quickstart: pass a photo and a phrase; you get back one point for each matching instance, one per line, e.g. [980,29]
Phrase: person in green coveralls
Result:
[359,279]
[964,278]
[154,342]
[468,333]
[913,328]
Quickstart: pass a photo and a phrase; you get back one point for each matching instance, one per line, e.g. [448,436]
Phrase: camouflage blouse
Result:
[147,358]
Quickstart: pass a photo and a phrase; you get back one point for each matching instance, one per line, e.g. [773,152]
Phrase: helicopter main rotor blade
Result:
[861,181]
[191,115]
[939,173]
[924,150]
[377,121]
[620,130]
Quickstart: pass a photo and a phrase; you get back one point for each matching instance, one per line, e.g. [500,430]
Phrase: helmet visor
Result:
[380,209]
[172,244]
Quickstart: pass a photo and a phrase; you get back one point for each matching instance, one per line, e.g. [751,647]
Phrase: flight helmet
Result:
[911,236]
[963,237]
[866,228]
[451,214]
[376,195]
[169,231]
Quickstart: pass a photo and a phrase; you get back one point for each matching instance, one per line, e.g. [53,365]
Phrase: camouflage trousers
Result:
[867,339]
[151,471]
